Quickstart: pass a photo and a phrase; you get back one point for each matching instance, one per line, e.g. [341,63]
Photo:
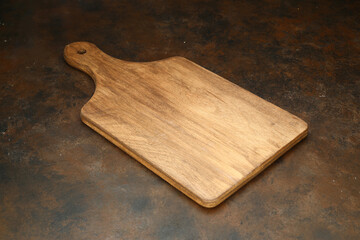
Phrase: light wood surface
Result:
[201,133]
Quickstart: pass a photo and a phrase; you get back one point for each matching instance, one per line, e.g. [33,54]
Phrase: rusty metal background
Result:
[61,180]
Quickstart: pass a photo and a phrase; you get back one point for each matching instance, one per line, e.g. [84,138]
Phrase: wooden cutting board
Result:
[201,133]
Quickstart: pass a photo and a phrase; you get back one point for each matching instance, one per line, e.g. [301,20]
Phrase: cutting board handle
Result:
[86,57]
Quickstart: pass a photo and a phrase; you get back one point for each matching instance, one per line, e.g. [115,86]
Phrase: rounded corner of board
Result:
[210,203]
[306,128]
[83,117]
[179,58]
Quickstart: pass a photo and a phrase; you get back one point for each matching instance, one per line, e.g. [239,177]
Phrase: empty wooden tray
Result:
[201,133]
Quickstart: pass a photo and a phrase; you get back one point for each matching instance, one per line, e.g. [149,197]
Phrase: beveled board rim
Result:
[207,203]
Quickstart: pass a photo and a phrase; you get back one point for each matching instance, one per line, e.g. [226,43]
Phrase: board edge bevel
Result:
[202,202]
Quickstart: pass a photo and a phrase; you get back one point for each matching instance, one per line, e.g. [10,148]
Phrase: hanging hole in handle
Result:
[81,51]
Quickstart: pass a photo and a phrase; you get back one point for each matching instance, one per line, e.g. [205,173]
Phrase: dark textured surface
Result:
[61,180]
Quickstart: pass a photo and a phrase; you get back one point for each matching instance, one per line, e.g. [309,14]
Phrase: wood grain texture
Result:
[201,133]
